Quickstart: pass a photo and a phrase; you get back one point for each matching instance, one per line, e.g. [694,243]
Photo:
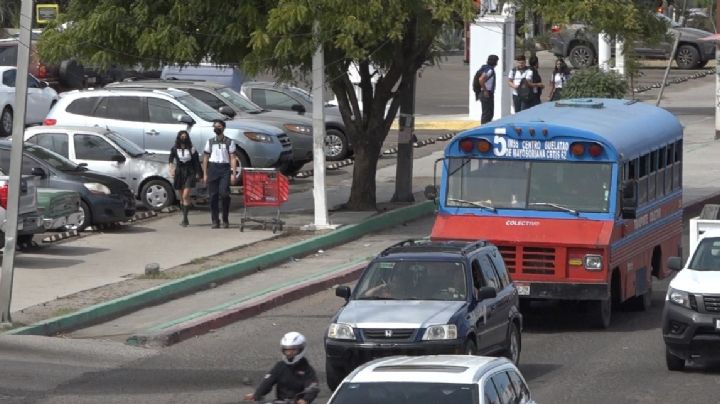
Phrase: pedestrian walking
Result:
[484,87]
[536,82]
[519,80]
[185,169]
[219,165]
[560,76]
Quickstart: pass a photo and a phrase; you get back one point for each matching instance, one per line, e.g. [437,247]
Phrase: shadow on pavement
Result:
[533,371]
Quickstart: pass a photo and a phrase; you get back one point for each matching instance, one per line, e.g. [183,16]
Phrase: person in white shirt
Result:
[486,85]
[519,80]
[560,76]
[219,167]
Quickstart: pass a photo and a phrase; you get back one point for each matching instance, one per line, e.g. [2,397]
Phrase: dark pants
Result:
[520,105]
[488,108]
[219,188]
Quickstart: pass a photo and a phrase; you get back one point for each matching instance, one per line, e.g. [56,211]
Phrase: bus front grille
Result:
[529,260]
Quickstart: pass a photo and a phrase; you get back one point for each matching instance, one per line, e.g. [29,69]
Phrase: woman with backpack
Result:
[560,76]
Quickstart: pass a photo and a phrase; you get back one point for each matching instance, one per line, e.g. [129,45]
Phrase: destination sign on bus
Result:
[531,149]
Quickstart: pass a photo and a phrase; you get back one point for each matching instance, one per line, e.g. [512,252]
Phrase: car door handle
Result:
[152,132]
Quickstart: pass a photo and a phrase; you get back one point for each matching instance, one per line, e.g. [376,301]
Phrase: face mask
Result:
[217,131]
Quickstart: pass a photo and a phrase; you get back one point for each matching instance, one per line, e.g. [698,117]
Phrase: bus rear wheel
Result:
[601,312]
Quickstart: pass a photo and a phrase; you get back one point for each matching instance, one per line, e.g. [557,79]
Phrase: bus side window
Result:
[652,174]
[642,179]
[677,167]
[660,188]
[669,154]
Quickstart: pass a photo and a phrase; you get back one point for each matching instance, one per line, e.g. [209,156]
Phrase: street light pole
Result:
[13,201]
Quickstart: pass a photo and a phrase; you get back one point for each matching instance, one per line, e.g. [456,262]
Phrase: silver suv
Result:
[152,118]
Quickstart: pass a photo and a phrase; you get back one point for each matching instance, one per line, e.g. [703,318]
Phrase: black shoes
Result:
[225,225]
[215,225]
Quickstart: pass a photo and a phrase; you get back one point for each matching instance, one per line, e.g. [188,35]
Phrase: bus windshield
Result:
[535,185]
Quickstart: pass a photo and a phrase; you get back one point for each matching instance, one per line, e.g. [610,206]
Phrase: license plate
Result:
[523,289]
[717,324]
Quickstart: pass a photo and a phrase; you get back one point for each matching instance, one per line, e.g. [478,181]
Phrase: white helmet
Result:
[293,340]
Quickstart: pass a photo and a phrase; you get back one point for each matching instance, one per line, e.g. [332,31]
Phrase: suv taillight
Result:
[555,28]
[41,71]
[49,122]
[4,196]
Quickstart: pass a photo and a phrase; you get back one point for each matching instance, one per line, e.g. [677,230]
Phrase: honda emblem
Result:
[388,333]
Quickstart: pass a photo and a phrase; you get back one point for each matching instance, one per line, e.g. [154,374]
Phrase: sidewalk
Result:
[299,277]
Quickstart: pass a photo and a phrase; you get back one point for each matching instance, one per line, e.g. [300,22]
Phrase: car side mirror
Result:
[184,118]
[675,263]
[431,192]
[486,292]
[38,172]
[225,110]
[44,84]
[118,158]
[298,108]
[629,199]
[343,291]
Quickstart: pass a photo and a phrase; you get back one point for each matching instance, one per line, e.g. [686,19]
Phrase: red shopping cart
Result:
[263,187]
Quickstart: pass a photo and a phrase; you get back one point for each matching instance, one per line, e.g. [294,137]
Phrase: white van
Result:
[222,74]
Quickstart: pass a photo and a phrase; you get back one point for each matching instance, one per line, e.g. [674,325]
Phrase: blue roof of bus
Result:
[631,128]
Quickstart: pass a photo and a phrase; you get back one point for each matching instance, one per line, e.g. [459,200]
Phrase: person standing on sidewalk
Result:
[519,80]
[560,76]
[536,82]
[219,165]
[486,86]
[185,170]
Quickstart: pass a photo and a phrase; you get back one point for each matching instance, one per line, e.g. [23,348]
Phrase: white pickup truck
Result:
[30,221]
[691,317]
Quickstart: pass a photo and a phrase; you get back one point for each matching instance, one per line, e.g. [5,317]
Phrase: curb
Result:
[61,236]
[218,319]
[180,287]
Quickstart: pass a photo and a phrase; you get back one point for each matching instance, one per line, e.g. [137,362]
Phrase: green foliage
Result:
[595,83]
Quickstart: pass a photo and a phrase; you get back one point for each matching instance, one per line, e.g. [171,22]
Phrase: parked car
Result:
[152,118]
[442,379]
[426,297]
[282,97]
[103,199]
[579,45]
[104,151]
[227,76]
[59,208]
[691,316]
[40,98]
[30,221]
[234,105]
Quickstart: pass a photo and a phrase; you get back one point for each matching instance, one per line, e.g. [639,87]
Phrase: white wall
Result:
[492,35]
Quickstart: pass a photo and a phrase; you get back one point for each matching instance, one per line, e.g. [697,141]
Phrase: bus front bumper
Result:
[562,291]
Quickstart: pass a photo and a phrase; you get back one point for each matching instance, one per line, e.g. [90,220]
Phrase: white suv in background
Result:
[152,118]
[456,379]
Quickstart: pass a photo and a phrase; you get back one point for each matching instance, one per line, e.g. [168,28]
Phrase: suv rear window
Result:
[82,106]
[122,108]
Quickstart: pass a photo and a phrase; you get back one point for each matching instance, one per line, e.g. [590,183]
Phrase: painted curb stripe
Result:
[126,304]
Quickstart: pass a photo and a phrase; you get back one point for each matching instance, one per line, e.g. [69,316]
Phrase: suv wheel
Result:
[6,122]
[336,145]
[470,348]
[334,375]
[581,56]
[687,57]
[673,362]
[512,351]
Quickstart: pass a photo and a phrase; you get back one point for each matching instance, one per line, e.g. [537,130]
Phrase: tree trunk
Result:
[363,190]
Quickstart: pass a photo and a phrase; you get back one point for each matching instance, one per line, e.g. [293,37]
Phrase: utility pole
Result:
[318,119]
[11,223]
[717,71]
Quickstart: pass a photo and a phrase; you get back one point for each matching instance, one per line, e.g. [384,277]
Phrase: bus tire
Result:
[601,312]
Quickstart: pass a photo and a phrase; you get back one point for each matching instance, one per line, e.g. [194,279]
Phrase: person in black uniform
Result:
[219,167]
[295,378]
[185,169]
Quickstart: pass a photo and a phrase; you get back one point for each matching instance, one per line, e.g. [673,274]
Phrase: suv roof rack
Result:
[403,243]
[438,245]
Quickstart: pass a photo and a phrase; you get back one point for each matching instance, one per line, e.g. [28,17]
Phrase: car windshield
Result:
[707,255]
[406,393]
[302,94]
[413,280]
[200,108]
[239,100]
[131,148]
[55,160]
[536,185]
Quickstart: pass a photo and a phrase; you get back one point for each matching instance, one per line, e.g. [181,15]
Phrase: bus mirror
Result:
[431,192]
[629,200]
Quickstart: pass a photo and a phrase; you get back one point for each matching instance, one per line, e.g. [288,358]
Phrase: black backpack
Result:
[476,81]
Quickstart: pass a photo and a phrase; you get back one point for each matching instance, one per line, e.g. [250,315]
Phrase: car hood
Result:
[693,33]
[291,117]
[251,125]
[116,186]
[701,282]
[397,313]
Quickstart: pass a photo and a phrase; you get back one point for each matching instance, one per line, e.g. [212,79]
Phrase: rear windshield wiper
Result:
[477,204]
[556,206]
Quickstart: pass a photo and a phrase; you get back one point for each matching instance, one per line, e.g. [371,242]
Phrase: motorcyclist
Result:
[293,375]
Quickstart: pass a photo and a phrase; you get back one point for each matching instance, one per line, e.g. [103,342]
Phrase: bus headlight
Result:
[593,262]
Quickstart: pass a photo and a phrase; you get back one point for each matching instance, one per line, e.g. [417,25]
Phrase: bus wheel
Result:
[601,312]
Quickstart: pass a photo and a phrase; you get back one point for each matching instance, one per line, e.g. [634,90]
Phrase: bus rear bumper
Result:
[562,291]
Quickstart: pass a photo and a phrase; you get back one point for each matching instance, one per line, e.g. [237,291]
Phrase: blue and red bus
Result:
[582,197]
